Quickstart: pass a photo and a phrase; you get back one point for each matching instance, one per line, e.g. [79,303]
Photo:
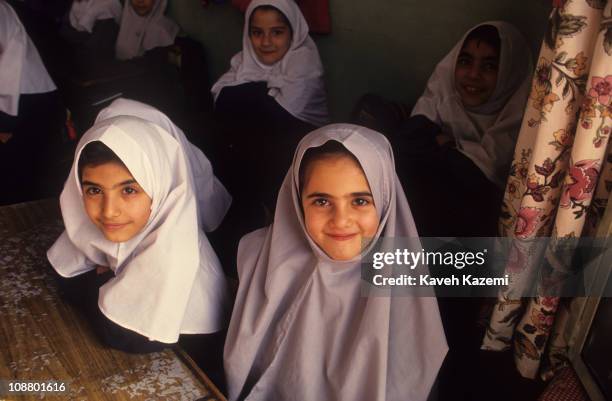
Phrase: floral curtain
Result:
[561,176]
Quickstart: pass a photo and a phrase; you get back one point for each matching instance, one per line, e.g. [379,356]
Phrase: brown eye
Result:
[91,191]
[129,191]
[463,61]
[322,202]
[490,67]
[361,202]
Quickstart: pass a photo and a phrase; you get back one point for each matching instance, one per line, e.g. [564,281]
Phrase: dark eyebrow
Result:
[362,194]
[126,182]
[465,54]
[318,195]
[324,195]
[285,27]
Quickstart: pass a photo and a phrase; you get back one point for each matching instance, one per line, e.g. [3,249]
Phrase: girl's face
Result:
[270,35]
[338,206]
[476,72]
[114,201]
[142,7]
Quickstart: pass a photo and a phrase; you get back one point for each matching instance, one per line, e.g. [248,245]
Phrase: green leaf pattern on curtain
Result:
[559,181]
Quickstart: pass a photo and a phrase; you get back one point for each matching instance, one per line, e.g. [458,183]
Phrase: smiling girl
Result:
[273,93]
[455,150]
[301,328]
[135,234]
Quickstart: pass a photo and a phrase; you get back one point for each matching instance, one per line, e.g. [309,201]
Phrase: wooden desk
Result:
[43,339]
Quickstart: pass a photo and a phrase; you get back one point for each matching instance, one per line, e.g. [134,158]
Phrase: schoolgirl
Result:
[135,221]
[272,95]
[301,327]
[463,129]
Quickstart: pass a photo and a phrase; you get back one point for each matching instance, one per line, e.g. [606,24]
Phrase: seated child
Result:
[273,94]
[459,143]
[31,113]
[131,211]
[301,328]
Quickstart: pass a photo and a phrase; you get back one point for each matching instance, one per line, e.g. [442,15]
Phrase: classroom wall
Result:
[389,47]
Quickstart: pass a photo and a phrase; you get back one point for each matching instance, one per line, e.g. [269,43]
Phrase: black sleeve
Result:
[252,104]
[416,137]
[82,292]
[8,123]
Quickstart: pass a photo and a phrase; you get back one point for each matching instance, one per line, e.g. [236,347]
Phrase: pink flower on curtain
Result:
[542,319]
[527,221]
[550,302]
[601,89]
[580,182]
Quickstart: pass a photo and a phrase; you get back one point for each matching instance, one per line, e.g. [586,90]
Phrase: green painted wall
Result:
[389,47]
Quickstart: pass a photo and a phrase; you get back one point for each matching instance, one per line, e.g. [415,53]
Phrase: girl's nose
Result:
[110,208]
[474,71]
[266,41]
[342,216]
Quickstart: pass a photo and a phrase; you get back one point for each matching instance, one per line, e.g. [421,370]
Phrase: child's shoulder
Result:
[249,249]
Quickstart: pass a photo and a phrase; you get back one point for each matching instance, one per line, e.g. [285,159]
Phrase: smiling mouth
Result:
[342,237]
[471,90]
[113,226]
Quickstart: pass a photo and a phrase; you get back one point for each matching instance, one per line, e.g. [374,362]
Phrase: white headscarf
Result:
[296,81]
[138,34]
[84,13]
[21,69]
[168,279]
[491,150]
[213,199]
[302,330]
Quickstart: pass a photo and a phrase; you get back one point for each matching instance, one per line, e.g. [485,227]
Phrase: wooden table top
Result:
[43,339]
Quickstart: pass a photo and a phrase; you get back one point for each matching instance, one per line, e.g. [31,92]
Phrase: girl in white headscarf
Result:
[301,328]
[31,114]
[463,129]
[455,153]
[143,28]
[277,50]
[135,228]
[273,93]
